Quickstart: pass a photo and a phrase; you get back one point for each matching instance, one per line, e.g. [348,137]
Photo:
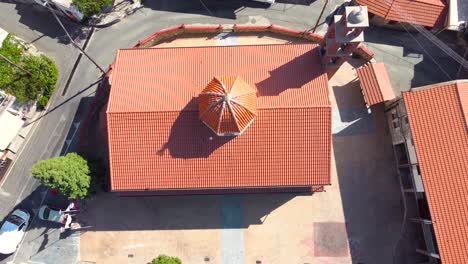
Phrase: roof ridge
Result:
[227,46]
[463,100]
[432,3]
[436,85]
[195,110]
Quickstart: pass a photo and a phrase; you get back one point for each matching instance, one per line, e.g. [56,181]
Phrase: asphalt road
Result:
[406,66]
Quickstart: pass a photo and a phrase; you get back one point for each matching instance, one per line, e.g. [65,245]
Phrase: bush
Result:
[68,174]
[42,81]
[91,7]
[42,102]
[163,259]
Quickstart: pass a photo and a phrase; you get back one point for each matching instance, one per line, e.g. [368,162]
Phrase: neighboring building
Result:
[219,119]
[429,128]
[429,13]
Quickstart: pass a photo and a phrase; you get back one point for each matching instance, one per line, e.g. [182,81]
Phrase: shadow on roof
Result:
[190,137]
[280,80]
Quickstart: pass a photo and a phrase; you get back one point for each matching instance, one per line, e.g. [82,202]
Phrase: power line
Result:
[426,33]
[16,65]
[46,4]
[425,51]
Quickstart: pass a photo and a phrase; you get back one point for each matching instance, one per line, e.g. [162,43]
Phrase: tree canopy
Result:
[69,175]
[91,7]
[39,85]
[163,259]
[12,51]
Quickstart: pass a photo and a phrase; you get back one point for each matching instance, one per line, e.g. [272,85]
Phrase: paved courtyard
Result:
[356,220]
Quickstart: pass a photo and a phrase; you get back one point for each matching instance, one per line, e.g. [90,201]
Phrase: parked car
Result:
[49,213]
[13,230]
[269,2]
[52,214]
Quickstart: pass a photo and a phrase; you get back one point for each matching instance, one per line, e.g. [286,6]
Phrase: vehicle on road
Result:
[13,230]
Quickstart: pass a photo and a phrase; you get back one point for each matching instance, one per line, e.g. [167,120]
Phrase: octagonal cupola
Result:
[228,105]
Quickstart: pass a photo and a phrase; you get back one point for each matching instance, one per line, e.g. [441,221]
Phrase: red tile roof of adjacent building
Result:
[431,13]
[375,83]
[437,117]
[157,141]
[227,105]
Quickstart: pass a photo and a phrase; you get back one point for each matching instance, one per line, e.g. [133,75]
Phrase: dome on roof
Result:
[228,105]
[356,16]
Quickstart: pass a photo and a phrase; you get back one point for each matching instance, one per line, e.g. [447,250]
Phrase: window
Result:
[418,169]
[395,124]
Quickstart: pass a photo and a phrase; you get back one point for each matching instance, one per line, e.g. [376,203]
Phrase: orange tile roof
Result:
[429,13]
[156,140]
[227,105]
[437,116]
[375,83]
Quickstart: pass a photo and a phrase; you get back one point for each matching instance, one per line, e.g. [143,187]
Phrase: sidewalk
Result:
[20,118]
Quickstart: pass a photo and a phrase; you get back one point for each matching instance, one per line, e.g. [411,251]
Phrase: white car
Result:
[13,230]
[270,2]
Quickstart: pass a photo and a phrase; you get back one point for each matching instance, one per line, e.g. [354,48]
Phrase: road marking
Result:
[19,199]
[3,193]
[54,133]
[68,142]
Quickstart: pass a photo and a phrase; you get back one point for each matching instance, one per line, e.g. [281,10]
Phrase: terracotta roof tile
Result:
[375,83]
[439,129]
[227,105]
[429,13]
[156,140]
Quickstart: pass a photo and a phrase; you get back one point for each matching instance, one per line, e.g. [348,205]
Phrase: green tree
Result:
[91,7]
[69,175]
[163,259]
[42,82]
[11,50]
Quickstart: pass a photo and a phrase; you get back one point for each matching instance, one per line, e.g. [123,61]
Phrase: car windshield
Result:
[15,220]
[46,212]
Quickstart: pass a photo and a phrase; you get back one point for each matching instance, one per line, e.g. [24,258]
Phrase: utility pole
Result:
[16,65]
[46,4]
[320,16]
